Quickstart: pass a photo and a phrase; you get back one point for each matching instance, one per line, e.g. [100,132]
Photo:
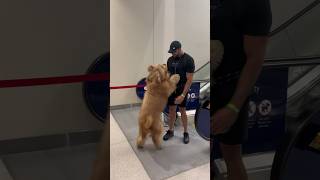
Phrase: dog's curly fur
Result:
[216,53]
[159,87]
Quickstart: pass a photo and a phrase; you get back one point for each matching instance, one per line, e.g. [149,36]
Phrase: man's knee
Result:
[182,110]
[172,109]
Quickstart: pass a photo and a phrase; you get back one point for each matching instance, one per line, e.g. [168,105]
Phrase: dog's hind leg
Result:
[141,138]
[156,135]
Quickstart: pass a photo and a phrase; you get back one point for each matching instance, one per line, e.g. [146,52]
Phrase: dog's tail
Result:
[148,122]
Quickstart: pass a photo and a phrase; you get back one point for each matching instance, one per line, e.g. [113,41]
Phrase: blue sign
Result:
[202,122]
[96,93]
[267,111]
[141,90]
[192,99]
[266,114]
[193,96]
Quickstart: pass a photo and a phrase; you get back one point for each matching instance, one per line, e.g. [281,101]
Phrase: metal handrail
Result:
[296,61]
[202,66]
[294,18]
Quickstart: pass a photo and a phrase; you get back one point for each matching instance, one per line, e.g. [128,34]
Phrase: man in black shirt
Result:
[242,27]
[179,63]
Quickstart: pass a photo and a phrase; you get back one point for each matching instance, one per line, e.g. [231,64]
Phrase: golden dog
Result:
[216,53]
[159,87]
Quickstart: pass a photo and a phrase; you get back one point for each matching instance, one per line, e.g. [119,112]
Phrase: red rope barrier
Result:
[125,87]
[61,80]
[53,80]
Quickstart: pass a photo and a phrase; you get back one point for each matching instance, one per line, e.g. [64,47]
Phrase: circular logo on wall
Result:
[141,90]
[96,93]
[265,107]
[252,108]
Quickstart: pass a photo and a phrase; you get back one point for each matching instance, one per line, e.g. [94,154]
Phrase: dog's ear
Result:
[150,68]
[164,65]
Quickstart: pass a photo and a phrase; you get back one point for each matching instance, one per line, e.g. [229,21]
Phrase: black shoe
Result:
[168,135]
[185,137]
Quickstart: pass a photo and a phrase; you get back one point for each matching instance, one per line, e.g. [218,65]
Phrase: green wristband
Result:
[233,107]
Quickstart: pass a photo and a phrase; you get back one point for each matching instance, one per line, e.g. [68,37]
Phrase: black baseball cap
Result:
[174,46]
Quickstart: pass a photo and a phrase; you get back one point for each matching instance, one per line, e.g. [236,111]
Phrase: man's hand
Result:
[223,119]
[179,99]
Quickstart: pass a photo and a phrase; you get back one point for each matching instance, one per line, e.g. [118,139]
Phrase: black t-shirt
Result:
[181,65]
[232,19]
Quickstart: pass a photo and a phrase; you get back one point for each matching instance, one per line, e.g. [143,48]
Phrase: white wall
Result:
[192,28]
[283,10]
[141,33]
[164,28]
[301,37]
[43,39]
[132,44]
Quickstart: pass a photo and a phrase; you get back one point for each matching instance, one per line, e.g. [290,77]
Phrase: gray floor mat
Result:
[56,164]
[174,158]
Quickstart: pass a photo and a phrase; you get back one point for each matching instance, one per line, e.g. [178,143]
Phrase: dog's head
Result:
[157,73]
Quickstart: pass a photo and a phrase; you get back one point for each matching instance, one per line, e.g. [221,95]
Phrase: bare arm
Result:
[255,48]
[188,83]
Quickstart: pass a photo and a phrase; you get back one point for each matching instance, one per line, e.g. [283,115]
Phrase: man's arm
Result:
[188,84]
[256,29]
[255,47]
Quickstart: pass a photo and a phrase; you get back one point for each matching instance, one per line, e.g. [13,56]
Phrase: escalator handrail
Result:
[294,18]
[296,61]
[283,150]
[287,61]
[301,75]
[202,80]
[280,62]
[309,83]
[282,27]
[202,67]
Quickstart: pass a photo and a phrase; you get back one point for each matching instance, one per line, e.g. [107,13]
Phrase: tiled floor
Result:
[124,164]
[63,164]
[76,163]
[199,173]
[174,158]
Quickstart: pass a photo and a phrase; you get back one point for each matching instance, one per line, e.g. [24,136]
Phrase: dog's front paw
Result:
[175,78]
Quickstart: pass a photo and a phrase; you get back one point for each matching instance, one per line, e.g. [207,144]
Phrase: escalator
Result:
[202,115]
[202,75]
[298,157]
[301,142]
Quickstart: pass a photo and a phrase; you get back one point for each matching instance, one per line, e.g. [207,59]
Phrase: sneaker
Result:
[168,135]
[185,137]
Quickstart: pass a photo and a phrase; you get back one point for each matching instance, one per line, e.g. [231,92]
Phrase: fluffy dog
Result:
[159,87]
[216,53]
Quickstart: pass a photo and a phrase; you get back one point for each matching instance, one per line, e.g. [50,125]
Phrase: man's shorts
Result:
[175,94]
[221,96]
